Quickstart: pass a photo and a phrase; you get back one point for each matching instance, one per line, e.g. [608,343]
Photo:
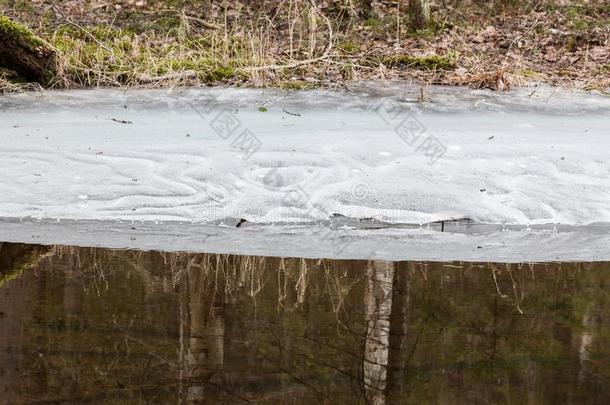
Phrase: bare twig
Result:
[291,113]
[185,75]
[203,22]
[80,27]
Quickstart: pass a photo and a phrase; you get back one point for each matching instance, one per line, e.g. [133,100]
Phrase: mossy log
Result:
[26,54]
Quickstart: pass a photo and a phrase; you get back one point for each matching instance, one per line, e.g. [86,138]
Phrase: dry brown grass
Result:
[9,86]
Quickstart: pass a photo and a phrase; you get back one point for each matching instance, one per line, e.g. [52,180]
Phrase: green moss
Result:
[373,21]
[102,33]
[166,23]
[348,46]
[433,29]
[220,73]
[430,62]
[198,42]
[575,17]
[19,32]
[426,33]
[184,64]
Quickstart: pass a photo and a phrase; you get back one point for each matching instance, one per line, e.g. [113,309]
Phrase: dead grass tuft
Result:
[494,80]
[9,86]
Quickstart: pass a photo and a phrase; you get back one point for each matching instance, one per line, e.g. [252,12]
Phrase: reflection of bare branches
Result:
[339,370]
[150,350]
[285,369]
[282,283]
[510,272]
[337,288]
[358,356]
[301,285]
[493,270]
[416,343]
[163,271]
[517,287]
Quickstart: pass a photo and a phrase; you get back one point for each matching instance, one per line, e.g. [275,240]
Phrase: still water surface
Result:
[90,325]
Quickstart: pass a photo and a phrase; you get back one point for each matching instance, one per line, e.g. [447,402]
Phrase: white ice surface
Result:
[532,157]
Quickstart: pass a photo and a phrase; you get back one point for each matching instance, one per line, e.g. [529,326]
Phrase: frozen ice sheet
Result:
[533,157]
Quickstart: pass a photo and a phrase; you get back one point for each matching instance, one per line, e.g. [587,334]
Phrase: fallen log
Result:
[26,54]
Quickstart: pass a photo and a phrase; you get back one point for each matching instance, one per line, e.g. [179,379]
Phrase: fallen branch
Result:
[291,113]
[201,21]
[206,24]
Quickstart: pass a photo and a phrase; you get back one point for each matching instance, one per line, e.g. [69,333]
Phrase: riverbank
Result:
[302,44]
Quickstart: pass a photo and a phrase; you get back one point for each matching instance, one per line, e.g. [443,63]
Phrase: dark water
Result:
[83,325]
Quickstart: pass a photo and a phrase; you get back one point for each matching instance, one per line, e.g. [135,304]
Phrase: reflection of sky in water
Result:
[103,326]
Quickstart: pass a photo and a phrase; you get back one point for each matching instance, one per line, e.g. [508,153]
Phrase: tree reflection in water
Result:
[117,326]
